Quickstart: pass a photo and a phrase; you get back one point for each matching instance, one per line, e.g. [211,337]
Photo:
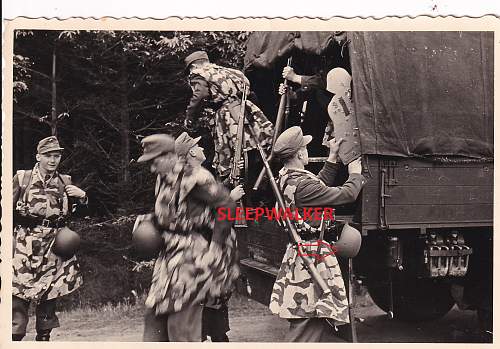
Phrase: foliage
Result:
[113,89]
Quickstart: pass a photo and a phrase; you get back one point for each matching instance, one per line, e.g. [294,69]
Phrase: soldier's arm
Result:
[329,172]
[200,91]
[78,205]
[215,195]
[316,81]
[313,193]
[78,195]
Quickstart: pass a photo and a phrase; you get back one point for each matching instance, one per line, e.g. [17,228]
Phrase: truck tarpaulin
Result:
[265,48]
[424,93]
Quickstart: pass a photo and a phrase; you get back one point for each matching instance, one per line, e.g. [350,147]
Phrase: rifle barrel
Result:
[284,108]
[291,228]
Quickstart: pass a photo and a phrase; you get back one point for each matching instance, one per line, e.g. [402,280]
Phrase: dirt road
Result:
[252,322]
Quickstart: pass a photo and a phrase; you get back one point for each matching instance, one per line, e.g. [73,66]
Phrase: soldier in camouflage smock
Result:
[42,205]
[224,87]
[198,259]
[295,296]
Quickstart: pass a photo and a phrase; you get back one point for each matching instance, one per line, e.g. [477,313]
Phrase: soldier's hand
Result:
[282,89]
[241,164]
[188,123]
[355,166]
[74,191]
[289,74]
[334,146]
[237,193]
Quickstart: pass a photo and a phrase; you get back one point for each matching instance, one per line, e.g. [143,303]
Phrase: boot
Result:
[43,336]
[17,337]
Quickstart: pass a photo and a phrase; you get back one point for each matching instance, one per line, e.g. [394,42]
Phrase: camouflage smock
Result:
[39,273]
[295,294]
[225,86]
[190,269]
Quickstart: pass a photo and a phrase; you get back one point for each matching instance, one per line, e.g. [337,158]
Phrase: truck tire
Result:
[414,299]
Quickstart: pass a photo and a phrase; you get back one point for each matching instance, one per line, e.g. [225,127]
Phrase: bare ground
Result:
[252,322]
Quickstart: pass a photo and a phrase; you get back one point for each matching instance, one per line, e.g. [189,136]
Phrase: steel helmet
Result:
[349,243]
[147,239]
[338,81]
[66,243]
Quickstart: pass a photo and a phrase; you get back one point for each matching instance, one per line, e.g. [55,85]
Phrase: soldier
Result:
[319,80]
[338,84]
[294,296]
[216,312]
[224,87]
[43,202]
[198,257]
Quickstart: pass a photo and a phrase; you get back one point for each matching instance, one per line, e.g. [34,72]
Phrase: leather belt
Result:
[31,222]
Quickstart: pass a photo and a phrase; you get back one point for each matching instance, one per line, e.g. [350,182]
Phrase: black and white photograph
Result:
[249,186]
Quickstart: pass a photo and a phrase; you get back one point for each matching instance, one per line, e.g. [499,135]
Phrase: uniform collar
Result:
[284,170]
[36,171]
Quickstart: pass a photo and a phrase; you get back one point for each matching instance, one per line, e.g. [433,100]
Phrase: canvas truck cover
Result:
[424,93]
[416,94]
[265,48]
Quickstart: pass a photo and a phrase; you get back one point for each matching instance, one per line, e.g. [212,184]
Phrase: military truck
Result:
[424,108]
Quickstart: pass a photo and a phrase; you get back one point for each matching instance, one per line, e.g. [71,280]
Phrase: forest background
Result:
[101,93]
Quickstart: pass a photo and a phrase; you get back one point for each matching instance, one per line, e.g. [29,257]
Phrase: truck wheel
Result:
[414,299]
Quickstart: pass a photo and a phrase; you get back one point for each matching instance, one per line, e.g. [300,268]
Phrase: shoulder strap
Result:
[64,180]
[24,178]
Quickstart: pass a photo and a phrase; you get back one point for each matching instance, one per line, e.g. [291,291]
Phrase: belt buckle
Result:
[46,223]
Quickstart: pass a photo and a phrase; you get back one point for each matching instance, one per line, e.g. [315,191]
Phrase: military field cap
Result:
[194,57]
[48,144]
[184,143]
[156,145]
[290,142]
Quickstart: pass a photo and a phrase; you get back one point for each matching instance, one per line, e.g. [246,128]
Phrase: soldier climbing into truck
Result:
[421,117]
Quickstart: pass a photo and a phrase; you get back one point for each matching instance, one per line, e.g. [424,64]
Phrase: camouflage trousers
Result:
[224,130]
[189,271]
[39,273]
[295,294]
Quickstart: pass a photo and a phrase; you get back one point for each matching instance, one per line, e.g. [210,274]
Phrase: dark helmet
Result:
[147,239]
[66,243]
[349,243]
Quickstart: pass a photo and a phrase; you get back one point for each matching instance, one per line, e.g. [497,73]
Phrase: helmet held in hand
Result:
[66,243]
[349,243]
[147,239]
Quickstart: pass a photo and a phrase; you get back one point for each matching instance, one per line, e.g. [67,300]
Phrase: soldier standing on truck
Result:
[294,295]
[43,202]
[197,259]
[224,87]
[338,83]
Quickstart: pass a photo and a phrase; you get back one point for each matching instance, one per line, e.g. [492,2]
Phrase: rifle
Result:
[290,227]
[283,111]
[235,175]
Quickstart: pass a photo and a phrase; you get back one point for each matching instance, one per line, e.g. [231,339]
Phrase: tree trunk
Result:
[53,121]
[124,194]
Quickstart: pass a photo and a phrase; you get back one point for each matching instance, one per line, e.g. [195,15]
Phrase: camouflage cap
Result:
[48,144]
[184,143]
[194,57]
[290,142]
[156,145]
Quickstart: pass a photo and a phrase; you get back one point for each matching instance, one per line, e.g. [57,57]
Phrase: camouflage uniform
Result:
[189,269]
[295,296]
[39,275]
[224,86]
